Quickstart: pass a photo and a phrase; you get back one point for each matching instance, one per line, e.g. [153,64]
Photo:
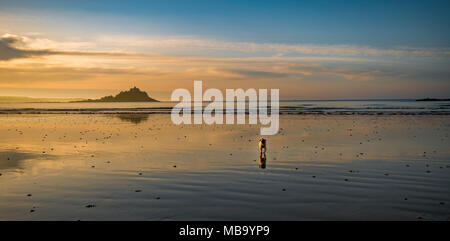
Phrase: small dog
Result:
[262,146]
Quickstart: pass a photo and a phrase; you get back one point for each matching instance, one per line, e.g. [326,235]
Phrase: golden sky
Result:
[45,54]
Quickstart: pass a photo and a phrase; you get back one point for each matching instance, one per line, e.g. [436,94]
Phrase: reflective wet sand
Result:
[142,167]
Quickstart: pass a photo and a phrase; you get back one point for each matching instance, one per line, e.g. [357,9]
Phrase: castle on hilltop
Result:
[132,95]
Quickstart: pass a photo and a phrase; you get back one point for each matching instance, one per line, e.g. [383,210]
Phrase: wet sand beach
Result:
[143,167]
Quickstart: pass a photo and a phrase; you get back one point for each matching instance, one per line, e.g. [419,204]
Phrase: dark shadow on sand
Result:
[13,159]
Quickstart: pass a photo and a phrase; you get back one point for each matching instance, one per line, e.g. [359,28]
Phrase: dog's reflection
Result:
[262,161]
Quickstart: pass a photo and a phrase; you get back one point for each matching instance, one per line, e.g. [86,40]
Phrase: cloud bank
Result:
[14,46]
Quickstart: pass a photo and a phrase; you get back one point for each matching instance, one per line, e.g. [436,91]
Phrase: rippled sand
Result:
[142,167]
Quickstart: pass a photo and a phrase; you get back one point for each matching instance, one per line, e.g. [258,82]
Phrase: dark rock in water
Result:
[32,211]
[158,198]
[441,203]
[284,189]
[346,179]
[405,198]
[29,195]
[90,206]
[138,191]
[432,99]
[314,176]
[418,217]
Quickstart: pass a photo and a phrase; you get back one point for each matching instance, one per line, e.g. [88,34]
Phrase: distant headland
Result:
[433,99]
[23,99]
[132,95]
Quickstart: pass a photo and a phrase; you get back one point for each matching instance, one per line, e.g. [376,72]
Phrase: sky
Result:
[307,49]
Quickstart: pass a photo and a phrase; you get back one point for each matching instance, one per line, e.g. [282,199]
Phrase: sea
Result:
[381,106]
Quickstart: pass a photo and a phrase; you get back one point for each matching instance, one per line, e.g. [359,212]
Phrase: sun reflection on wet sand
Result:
[127,167]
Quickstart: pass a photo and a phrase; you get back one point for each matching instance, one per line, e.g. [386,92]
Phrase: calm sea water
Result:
[291,106]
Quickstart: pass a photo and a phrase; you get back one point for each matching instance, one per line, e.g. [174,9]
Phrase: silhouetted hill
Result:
[132,95]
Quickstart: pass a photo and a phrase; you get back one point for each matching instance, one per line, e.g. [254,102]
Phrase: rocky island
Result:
[132,95]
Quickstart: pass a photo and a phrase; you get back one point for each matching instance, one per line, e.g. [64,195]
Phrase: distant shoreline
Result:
[111,101]
[432,99]
[31,100]
[25,100]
